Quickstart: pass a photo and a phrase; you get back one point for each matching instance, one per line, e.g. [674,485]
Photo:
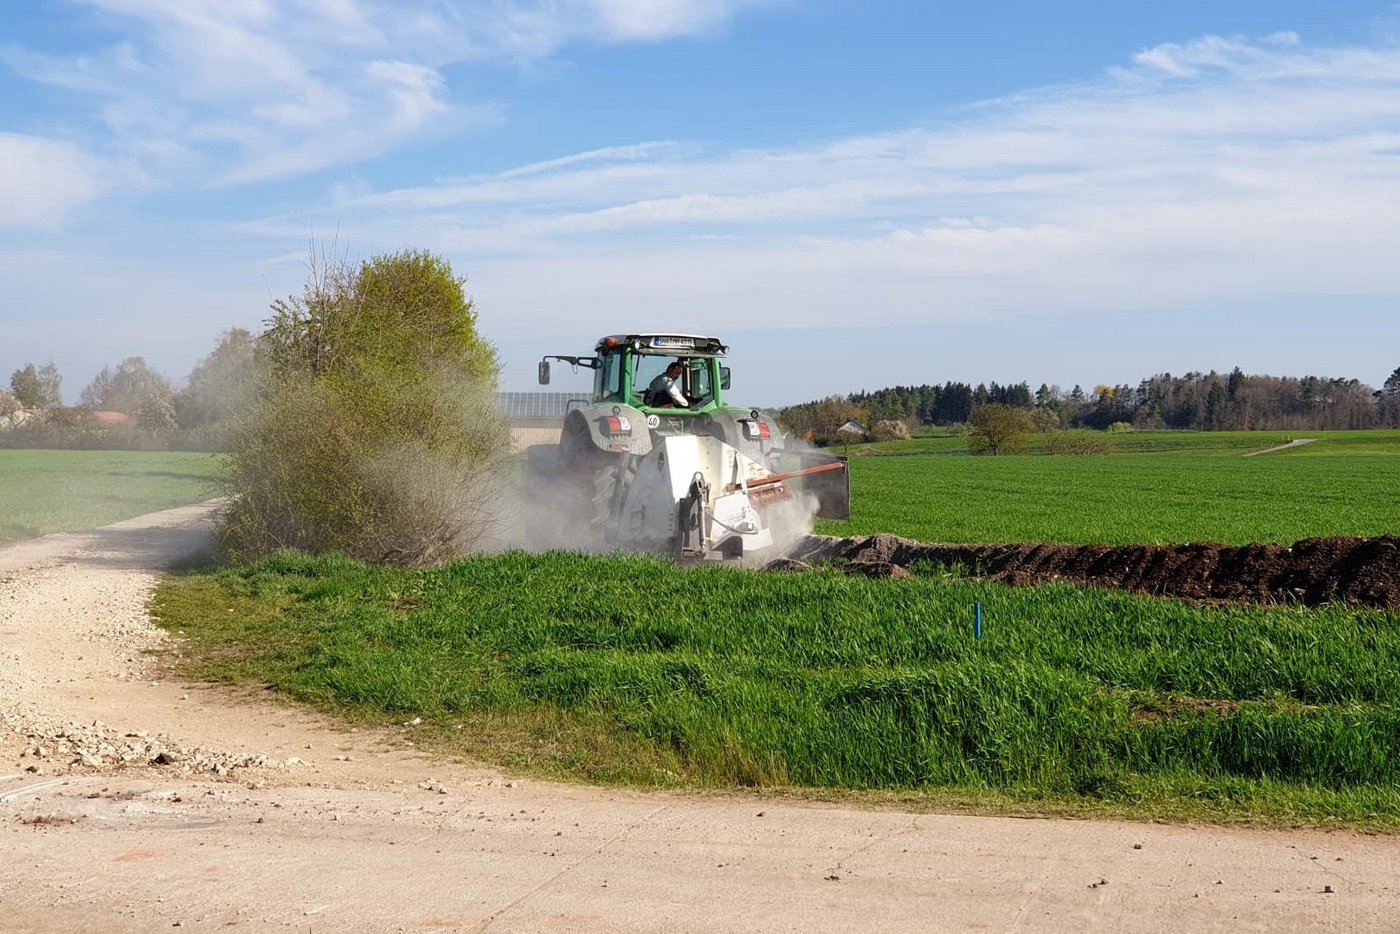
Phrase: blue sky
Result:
[852,194]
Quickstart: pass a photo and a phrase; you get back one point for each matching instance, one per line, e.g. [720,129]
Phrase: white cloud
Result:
[240,91]
[41,180]
[1216,174]
[662,19]
[1215,171]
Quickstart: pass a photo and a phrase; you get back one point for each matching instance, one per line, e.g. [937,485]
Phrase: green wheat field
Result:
[1081,701]
[625,669]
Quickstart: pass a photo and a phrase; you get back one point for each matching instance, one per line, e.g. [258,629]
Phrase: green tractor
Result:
[658,461]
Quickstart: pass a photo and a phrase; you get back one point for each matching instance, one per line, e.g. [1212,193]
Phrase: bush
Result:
[374,431]
[889,429]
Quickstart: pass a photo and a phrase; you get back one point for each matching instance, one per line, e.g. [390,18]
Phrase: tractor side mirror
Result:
[544,372]
[724,377]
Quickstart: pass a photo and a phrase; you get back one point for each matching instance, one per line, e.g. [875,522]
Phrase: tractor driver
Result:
[665,391]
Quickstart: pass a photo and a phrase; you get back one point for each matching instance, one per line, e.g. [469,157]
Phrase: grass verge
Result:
[629,670]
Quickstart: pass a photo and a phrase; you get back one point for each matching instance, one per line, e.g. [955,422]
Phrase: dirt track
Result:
[361,836]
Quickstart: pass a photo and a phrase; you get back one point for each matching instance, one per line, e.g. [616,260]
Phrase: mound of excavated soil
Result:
[1354,571]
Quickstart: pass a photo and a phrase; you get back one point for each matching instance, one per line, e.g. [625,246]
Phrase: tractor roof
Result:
[671,345]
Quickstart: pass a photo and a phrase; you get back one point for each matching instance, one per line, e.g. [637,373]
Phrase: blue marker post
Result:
[977,620]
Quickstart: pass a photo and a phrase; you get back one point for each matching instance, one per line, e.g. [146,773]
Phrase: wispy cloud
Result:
[42,179]
[662,19]
[240,91]
[1216,170]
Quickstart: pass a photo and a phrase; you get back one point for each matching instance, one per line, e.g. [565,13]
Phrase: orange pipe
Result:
[790,475]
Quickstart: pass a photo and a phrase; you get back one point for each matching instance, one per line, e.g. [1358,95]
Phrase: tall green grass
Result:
[55,491]
[722,677]
[1122,499]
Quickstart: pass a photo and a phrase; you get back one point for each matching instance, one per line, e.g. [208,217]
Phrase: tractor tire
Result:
[605,481]
[594,470]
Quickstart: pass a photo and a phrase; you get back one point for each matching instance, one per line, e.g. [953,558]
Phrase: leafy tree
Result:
[1237,378]
[374,429]
[1388,401]
[134,389]
[953,405]
[1214,417]
[998,428]
[397,314]
[37,388]
[1392,383]
[218,387]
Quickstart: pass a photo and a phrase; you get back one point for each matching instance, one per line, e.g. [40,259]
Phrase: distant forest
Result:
[1202,401]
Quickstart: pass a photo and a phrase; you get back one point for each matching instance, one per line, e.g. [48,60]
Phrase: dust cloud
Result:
[564,511]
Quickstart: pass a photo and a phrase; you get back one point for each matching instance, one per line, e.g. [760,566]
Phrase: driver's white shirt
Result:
[664,383]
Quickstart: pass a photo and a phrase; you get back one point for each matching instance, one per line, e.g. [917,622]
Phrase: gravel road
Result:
[134,804]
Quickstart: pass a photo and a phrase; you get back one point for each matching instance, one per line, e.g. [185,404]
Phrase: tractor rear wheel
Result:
[605,483]
[596,471]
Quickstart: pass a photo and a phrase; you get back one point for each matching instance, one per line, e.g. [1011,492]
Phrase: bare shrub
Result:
[1081,442]
[889,429]
[1045,418]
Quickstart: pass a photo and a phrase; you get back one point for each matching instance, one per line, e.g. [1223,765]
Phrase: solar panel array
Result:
[539,404]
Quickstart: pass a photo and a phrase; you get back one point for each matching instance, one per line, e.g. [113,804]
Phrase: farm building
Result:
[537,417]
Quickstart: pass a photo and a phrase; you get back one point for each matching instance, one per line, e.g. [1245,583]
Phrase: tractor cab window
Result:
[699,380]
[607,379]
[647,369]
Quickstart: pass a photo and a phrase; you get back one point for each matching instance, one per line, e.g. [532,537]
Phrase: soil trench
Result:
[1359,572]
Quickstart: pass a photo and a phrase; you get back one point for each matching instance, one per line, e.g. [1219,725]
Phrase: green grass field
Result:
[55,491]
[631,669]
[1224,443]
[1125,498]
[1078,701]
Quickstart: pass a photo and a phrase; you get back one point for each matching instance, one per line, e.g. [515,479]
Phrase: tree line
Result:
[1199,401]
[131,404]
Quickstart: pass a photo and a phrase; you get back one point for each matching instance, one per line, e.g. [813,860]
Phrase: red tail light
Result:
[757,430]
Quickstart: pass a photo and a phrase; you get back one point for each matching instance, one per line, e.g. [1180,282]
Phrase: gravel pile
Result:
[52,746]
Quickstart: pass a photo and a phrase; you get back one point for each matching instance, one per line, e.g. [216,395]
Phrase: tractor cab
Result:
[626,365]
